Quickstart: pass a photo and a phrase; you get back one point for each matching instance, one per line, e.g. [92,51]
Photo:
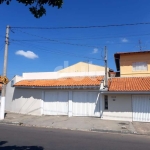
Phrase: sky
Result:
[46,50]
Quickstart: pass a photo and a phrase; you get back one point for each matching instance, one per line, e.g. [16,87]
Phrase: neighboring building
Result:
[131,64]
[128,95]
[127,98]
[83,67]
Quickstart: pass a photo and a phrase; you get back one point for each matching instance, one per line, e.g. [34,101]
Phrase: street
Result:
[30,138]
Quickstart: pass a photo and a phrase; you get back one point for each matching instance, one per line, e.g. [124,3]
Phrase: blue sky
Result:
[51,54]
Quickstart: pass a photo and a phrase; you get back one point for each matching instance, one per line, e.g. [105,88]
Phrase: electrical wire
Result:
[2,46]
[107,37]
[45,49]
[85,27]
[52,40]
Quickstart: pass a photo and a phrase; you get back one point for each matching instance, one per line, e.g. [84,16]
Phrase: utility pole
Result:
[106,73]
[2,113]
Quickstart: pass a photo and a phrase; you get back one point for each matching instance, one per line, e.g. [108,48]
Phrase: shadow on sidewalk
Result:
[5,115]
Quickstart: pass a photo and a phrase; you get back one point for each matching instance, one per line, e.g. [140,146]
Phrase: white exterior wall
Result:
[56,75]
[52,101]
[27,101]
[86,103]
[40,75]
[21,100]
[10,92]
[119,108]
[17,79]
[30,101]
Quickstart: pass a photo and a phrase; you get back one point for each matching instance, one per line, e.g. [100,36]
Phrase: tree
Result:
[37,6]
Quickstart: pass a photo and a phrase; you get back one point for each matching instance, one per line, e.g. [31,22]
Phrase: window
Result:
[106,102]
[139,66]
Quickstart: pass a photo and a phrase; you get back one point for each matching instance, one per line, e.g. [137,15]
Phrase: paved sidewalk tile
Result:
[142,127]
[78,123]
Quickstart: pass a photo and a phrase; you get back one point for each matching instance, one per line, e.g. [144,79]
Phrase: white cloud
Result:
[27,54]
[124,40]
[95,50]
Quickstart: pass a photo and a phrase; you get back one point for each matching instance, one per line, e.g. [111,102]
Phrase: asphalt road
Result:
[27,138]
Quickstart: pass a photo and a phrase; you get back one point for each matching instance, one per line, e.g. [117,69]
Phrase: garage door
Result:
[141,108]
[56,103]
[86,104]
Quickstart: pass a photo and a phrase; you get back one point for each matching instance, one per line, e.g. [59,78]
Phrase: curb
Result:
[76,129]
[113,131]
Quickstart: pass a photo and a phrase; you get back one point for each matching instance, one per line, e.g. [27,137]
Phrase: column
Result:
[70,104]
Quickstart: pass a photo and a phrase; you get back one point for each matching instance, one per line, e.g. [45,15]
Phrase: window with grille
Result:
[139,66]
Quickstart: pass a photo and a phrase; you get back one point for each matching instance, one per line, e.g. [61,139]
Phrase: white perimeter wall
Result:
[56,75]
[21,100]
[119,108]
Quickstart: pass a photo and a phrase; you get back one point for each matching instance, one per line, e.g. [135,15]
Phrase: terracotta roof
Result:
[74,81]
[129,84]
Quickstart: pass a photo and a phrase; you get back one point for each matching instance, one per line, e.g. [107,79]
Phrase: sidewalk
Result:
[77,123]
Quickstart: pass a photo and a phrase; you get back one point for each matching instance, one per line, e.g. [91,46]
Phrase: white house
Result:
[127,98]
[57,93]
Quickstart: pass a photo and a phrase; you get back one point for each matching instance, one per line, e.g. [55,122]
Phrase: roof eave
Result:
[61,87]
[126,92]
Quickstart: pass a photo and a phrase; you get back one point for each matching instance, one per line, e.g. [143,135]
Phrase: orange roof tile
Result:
[73,81]
[129,84]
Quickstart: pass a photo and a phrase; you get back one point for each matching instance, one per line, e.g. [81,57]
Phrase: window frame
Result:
[105,102]
[137,65]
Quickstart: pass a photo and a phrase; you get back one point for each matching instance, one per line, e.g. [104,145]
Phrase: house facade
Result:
[131,64]
[128,95]
[56,93]
[127,98]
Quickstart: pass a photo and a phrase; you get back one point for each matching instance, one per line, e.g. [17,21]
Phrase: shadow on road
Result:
[18,147]
[3,142]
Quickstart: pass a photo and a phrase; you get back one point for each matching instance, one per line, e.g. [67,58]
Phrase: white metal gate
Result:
[141,108]
[56,103]
[86,104]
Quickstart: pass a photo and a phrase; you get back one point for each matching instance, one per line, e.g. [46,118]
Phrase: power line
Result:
[85,27]
[2,46]
[105,37]
[40,41]
[61,52]
[101,37]
[57,40]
